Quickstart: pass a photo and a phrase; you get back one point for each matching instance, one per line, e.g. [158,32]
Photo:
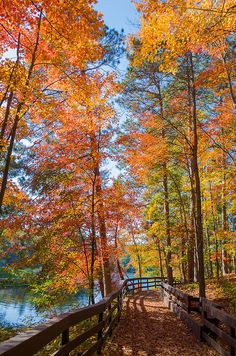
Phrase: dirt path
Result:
[148,328]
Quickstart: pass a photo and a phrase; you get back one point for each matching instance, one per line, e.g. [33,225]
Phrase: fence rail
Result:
[107,313]
[218,328]
[212,325]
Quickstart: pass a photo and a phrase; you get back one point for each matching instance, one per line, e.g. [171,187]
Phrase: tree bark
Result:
[225,267]
[18,116]
[169,269]
[199,227]
[103,236]
[215,235]
[160,257]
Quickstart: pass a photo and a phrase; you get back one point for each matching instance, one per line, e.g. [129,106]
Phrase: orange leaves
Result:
[181,26]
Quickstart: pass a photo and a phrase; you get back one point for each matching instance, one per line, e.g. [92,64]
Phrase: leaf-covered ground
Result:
[149,328]
[222,292]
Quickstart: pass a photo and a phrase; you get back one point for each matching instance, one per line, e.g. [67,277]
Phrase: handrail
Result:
[184,300]
[215,326]
[33,340]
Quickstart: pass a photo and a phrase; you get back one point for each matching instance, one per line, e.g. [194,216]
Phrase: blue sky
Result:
[119,14]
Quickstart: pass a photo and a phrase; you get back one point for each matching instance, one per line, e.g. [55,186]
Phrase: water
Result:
[18,310]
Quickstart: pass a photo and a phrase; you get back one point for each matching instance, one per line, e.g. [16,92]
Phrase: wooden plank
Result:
[92,349]
[35,339]
[232,348]
[175,291]
[181,304]
[186,318]
[110,328]
[215,345]
[158,278]
[218,314]
[79,340]
[209,302]
[224,336]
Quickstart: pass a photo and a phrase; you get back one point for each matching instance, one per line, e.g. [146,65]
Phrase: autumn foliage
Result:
[171,209]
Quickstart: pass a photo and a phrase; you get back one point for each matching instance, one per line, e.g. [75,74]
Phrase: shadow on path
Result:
[148,328]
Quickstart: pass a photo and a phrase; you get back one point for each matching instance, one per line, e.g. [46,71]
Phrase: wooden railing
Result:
[101,317]
[218,328]
[206,319]
[143,284]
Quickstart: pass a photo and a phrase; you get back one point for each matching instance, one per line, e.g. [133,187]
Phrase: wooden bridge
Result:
[86,331]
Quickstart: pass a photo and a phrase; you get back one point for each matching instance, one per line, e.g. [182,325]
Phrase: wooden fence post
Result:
[110,319]
[189,304]
[65,338]
[232,348]
[100,332]
[119,306]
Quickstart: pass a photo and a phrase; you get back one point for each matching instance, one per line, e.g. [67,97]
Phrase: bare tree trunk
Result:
[121,274]
[233,96]
[18,116]
[191,244]
[160,257]
[225,267]
[103,237]
[215,235]
[185,238]
[93,242]
[199,227]
[169,269]
[167,219]
[192,269]
[8,158]
[137,254]
[6,117]
[210,267]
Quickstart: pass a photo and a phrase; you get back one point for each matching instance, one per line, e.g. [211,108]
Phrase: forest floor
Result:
[149,328]
[222,291]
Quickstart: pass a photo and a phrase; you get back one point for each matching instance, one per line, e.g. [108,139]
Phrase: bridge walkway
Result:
[149,328]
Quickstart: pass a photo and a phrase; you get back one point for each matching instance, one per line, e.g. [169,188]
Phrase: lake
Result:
[18,310]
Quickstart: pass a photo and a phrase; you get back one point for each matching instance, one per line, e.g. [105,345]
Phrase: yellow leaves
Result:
[3,145]
[179,26]
[14,196]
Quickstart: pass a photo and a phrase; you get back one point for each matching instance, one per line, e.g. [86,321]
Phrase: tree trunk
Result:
[210,267]
[160,257]
[192,270]
[18,113]
[8,159]
[6,116]
[215,235]
[231,89]
[167,220]
[225,267]
[166,199]
[93,243]
[103,237]
[137,254]
[121,274]
[199,227]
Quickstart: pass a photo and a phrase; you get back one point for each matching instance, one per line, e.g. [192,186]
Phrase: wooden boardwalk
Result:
[149,328]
